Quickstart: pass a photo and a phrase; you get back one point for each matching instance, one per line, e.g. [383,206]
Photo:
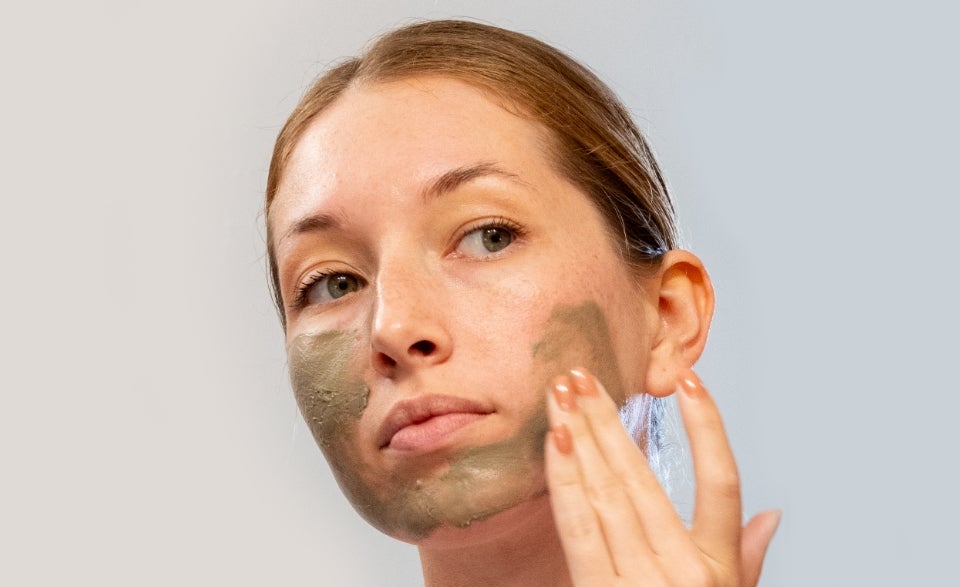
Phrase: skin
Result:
[412,505]
[330,399]
[480,481]
[392,185]
[579,335]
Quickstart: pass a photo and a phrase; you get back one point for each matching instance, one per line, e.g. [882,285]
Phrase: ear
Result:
[684,310]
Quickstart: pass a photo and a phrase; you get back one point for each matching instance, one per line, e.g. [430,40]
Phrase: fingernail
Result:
[562,439]
[564,396]
[583,383]
[691,384]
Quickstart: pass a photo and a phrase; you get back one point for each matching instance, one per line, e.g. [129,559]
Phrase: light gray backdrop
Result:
[147,432]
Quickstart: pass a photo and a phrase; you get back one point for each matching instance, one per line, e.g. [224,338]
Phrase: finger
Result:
[717,514]
[600,491]
[584,547]
[755,540]
[662,526]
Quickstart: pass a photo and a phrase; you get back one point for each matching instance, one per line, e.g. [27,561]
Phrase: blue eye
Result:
[484,240]
[323,288]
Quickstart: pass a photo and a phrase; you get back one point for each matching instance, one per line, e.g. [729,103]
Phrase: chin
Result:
[474,494]
[529,514]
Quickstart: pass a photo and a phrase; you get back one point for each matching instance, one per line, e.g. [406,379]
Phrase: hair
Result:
[595,143]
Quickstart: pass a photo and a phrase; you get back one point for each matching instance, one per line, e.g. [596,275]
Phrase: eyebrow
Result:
[311,223]
[446,183]
[453,179]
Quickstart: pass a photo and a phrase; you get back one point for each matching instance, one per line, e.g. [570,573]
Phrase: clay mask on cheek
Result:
[490,479]
[577,336]
[471,484]
[468,485]
[330,400]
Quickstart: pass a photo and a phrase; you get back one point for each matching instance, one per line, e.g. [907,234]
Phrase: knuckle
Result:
[604,491]
[580,525]
[727,485]
[565,483]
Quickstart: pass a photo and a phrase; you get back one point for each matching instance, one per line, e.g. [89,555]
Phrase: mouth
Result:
[425,423]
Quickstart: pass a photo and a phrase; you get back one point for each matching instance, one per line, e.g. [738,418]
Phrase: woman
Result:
[474,257]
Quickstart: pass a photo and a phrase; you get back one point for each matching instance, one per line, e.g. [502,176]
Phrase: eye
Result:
[489,238]
[323,288]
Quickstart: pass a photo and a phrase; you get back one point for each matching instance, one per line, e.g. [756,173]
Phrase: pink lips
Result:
[423,423]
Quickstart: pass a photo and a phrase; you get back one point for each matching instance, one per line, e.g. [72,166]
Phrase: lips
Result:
[424,421]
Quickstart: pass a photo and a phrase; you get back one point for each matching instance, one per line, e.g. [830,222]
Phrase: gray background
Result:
[147,432]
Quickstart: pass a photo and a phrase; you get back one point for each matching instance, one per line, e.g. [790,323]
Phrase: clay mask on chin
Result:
[473,484]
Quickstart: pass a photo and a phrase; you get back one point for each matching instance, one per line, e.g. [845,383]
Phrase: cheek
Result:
[330,395]
[578,336]
[534,325]
[592,314]
[496,318]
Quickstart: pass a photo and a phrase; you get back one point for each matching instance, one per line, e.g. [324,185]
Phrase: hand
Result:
[617,525]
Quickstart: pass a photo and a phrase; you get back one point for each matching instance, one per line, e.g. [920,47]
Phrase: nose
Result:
[408,329]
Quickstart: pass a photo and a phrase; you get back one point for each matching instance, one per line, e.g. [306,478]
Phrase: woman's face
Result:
[437,272]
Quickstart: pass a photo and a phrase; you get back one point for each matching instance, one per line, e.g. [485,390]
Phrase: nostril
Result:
[386,360]
[423,347]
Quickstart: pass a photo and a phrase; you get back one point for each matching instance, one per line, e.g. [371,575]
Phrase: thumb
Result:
[754,541]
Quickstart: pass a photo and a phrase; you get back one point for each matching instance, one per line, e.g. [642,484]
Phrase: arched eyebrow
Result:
[446,183]
[311,223]
[453,179]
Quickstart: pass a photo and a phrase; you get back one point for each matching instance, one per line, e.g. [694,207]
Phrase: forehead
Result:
[392,138]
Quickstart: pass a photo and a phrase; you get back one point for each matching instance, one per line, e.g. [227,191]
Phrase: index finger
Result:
[717,507]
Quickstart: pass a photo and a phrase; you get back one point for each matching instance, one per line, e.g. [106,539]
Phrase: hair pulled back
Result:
[596,144]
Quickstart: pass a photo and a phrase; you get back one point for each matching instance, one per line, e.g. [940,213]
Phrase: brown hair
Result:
[596,146]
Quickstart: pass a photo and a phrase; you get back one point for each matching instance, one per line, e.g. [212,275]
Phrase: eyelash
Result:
[498,222]
[300,297]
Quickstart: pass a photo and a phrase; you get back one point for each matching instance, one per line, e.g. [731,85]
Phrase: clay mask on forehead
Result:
[459,488]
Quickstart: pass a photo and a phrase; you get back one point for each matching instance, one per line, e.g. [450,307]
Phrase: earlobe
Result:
[684,310]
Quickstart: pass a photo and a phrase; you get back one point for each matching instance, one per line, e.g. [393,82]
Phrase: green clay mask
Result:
[330,400]
[577,336]
[468,485]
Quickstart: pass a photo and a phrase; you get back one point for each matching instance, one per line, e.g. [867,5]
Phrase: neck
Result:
[519,547]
